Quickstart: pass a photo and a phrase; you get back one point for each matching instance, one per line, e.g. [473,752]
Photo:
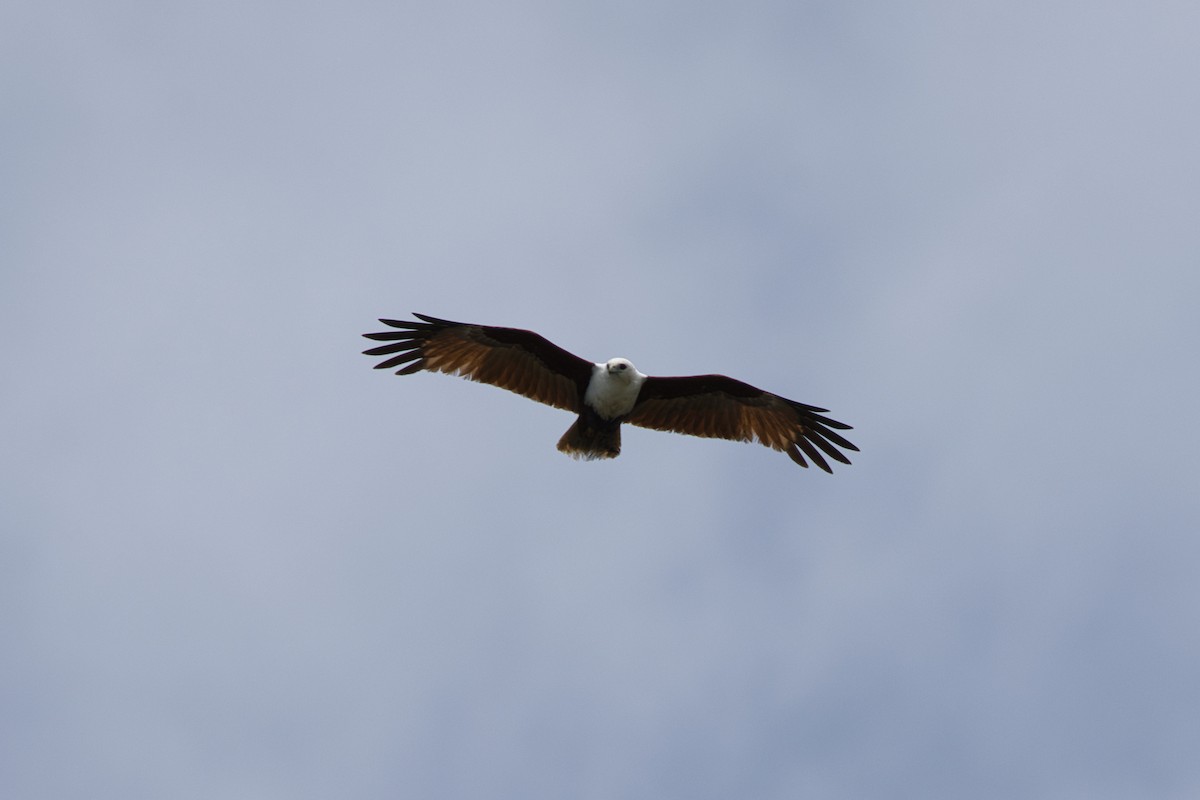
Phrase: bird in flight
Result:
[605,395]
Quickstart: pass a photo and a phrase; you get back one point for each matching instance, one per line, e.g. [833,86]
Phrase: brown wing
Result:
[722,408]
[513,359]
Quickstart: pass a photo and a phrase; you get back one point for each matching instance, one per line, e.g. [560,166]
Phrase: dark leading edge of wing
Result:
[720,407]
[517,360]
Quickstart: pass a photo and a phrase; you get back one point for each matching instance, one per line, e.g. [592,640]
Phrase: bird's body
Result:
[606,395]
[611,393]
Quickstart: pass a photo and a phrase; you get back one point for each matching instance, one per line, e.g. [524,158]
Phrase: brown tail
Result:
[592,437]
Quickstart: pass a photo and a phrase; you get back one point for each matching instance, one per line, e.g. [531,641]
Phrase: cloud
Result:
[240,561]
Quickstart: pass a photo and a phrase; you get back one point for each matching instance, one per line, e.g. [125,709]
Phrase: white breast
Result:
[613,395]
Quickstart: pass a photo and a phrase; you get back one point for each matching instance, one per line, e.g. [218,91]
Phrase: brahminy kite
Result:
[604,395]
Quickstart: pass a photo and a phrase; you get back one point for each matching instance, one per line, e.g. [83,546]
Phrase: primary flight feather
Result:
[605,395]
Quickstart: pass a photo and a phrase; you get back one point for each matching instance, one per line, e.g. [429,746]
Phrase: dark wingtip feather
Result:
[794,454]
[813,454]
[818,437]
[840,441]
[393,336]
[434,320]
[388,349]
[403,358]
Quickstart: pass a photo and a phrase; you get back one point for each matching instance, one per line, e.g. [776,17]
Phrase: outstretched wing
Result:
[513,359]
[718,407]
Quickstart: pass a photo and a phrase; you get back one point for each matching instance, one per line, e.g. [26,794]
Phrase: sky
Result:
[237,562]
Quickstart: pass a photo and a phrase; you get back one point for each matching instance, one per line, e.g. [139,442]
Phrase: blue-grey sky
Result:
[237,562]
